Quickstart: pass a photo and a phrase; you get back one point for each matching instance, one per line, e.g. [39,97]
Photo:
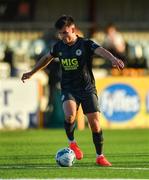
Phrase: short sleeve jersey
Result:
[76,64]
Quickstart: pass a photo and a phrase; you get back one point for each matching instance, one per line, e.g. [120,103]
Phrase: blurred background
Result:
[27,32]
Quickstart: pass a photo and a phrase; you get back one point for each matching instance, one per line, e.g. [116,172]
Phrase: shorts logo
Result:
[119,102]
[51,51]
[63,97]
[78,52]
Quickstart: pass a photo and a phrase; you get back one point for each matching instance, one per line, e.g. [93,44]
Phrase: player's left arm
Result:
[118,63]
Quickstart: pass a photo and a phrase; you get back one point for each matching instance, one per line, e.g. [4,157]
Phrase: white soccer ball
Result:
[65,157]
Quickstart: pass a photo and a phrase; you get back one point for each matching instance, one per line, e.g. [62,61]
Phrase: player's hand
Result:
[26,76]
[118,63]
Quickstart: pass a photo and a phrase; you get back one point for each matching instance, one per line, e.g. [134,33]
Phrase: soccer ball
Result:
[65,157]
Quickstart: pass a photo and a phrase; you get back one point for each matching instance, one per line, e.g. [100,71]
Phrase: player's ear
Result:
[73,28]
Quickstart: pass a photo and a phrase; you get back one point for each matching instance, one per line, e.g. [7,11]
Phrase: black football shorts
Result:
[88,101]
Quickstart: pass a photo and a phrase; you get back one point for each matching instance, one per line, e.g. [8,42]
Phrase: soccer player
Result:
[77,82]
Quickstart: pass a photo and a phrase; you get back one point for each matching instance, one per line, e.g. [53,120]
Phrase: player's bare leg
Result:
[70,109]
[93,119]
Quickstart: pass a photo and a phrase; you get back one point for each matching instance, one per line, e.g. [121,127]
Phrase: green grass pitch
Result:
[31,154]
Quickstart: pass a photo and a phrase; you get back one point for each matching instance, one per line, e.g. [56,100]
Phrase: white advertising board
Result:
[19,104]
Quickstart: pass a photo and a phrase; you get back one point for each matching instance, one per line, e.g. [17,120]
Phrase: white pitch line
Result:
[92,179]
[131,168]
[48,167]
[80,179]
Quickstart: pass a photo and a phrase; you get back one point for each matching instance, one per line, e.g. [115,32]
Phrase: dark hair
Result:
[110,25]
[64,20]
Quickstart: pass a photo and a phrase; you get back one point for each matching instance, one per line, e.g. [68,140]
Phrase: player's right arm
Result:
[42,63]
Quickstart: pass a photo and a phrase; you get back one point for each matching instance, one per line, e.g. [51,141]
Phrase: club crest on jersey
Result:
[78,52]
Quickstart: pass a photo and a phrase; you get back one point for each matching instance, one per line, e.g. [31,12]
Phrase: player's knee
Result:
[94,124]
[70,118]
[95,129]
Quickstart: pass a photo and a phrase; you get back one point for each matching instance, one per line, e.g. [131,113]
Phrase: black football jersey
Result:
[76,64]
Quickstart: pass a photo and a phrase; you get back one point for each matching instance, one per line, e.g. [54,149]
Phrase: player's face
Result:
[67,34]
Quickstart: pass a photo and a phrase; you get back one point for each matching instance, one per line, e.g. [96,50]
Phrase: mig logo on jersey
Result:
[70,64]
[119,102]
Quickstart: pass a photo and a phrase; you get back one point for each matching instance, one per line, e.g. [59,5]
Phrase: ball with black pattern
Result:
[65,157]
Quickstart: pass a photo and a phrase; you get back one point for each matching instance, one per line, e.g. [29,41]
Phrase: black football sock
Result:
[69,128]
[98,141]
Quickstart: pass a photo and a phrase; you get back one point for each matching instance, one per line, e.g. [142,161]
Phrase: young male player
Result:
[77,82]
